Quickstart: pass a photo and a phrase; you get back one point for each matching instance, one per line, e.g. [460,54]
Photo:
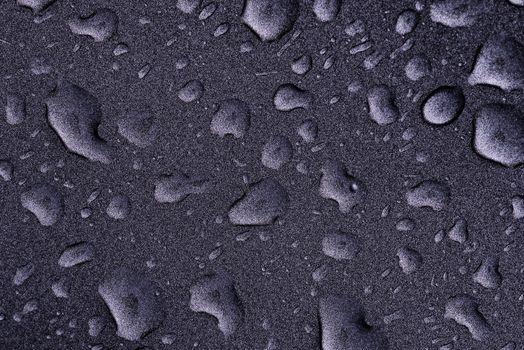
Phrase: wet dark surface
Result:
[267,174]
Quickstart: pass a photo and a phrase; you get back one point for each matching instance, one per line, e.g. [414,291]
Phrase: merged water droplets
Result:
[216,295]
[75,116]
[343,326]
[176,187]
[429,193]
[76,254]
[133,303]
[45,202]
[289,97]
[463,309]
[459,13]
[499,134]
[100,25]
[231,118]
[270,19]
[500,63]
[276,152]
[443,105]
[326,10]
[338,185]
[382,107]
[262,204]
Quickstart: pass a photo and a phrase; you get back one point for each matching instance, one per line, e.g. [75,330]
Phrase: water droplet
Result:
[23,273]
[301,65]
[270,19]
[417,68]
[262,204]
[132,301]
[308,130]
[6,170]
[487,274]
[443,105]
[76,254]
[517,205]
[176,187]
[343,326]
[289,97]
[191,91]
[499,134]
[15,109]
[45,202]
[216,296]
[463,309]
[100,25]
[459,231]
[500,63]
[458,13]
[340,245]
[406,22]
[277,152]
[188,6]
[382,107]
[409,260]
[75,115]
[429,193]
[35,5]
[140,127]
[326,10]
[231,118]
[336,184]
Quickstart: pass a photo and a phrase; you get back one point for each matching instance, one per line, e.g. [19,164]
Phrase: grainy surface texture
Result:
[261,174]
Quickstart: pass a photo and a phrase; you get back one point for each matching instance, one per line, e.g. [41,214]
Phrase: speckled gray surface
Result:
[261,174]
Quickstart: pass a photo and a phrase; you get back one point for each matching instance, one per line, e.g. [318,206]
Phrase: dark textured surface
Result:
[232,225]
